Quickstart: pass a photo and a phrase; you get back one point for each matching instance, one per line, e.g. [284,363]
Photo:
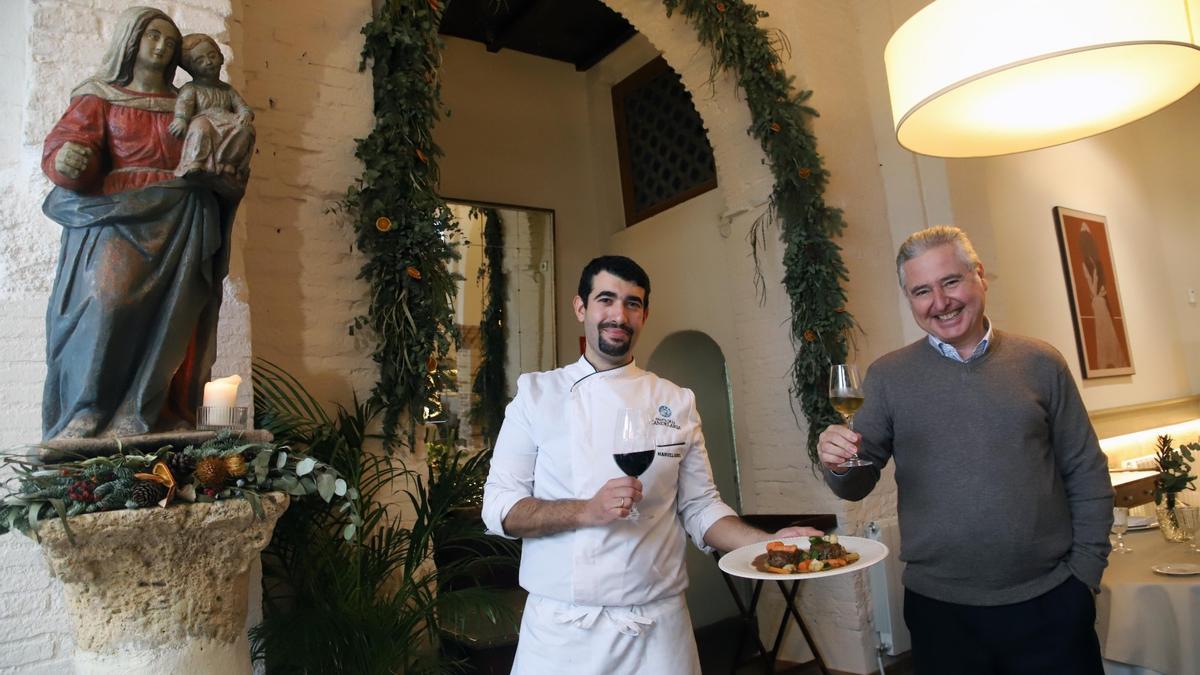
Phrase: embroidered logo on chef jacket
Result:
[664,418]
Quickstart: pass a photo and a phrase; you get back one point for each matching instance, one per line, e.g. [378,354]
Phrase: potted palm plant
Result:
[357,590]
[1174,476]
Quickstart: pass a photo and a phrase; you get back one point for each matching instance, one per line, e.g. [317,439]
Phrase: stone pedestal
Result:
[161,590]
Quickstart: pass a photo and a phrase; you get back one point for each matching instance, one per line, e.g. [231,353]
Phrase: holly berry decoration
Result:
[211,471]
[82,490]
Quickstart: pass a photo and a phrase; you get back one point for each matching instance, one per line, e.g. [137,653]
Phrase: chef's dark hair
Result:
[618,266]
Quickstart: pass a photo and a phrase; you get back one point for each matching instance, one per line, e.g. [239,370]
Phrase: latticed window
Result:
[664,153]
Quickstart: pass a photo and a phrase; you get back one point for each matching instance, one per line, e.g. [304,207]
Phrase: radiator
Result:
[887,593]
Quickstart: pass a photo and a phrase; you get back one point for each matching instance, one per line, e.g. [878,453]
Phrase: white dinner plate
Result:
[1141,523]
[740,562]
[1178,569]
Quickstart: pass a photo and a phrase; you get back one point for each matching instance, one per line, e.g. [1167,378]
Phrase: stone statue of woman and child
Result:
[147,180]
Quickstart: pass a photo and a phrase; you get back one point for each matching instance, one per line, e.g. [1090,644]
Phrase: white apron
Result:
[561,638]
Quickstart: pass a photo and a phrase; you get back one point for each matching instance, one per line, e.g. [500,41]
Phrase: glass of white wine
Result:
[846,394]
[1119,526]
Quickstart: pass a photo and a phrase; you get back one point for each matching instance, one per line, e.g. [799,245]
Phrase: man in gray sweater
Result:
[1003,493]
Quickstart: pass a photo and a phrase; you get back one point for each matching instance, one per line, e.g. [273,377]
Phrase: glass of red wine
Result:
[633,445]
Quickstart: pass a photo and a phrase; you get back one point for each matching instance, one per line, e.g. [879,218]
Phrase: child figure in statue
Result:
[210,116]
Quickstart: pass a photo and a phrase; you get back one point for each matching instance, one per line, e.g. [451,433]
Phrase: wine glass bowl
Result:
[1119,526]
[633,445]
[1189,522]
[846,395]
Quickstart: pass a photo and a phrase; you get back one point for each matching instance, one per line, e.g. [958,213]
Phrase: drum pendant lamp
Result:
[975,78]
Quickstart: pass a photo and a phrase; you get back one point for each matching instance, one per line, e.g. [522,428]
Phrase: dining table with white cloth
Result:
[1149,622]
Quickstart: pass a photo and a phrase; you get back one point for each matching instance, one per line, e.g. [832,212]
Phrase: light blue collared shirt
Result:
[947,350]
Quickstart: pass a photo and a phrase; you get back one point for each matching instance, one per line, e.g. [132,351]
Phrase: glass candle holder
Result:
[221,417]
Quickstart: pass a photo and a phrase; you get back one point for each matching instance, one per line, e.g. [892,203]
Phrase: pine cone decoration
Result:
[181,466]
[82,490]
[146,493]
[211,471]
[235,465]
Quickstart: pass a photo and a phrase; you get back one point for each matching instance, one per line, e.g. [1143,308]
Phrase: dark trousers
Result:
[1052,634]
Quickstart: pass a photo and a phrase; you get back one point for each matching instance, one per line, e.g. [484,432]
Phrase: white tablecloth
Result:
[1146,619]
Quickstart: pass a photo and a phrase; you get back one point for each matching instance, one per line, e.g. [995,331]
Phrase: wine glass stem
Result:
[850,422]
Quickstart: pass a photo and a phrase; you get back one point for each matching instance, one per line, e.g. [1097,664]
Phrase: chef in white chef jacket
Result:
[605,591]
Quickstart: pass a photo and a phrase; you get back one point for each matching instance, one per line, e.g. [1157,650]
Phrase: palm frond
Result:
[369,602]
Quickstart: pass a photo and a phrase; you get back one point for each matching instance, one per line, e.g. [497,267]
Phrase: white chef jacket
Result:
[557,443]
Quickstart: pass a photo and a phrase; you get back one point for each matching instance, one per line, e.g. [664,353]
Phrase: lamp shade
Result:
[973,78]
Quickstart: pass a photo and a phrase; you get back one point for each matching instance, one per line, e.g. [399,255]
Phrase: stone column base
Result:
[161,590]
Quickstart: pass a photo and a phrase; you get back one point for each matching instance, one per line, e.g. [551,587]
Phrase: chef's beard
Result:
[612,348]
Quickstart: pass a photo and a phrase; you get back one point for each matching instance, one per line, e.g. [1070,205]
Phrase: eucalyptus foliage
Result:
[782,123]
[403,227]
[355,591]
[1174,470]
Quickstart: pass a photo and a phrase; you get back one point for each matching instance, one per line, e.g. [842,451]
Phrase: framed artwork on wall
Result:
[1100,331]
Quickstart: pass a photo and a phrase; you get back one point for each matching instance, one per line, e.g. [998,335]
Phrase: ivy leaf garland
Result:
[403,227]
[813,266]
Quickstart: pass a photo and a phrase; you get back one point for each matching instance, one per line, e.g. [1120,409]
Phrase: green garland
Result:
[412,318]
[812,262]
[404,228]
[224,467]
[490,386]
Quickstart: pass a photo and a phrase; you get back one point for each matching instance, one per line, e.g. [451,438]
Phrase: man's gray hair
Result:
[933,237]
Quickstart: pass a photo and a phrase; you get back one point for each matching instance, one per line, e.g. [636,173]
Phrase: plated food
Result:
[750,561]
[823,553]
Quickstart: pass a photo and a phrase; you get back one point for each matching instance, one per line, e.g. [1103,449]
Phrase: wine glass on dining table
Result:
[1189,522]
[1119,526]
[633,446]
[846,395]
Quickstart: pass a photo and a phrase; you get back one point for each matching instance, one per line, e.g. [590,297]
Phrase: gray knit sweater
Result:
[1003,491]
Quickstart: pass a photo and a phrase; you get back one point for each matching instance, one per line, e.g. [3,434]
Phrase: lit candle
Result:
[222,392]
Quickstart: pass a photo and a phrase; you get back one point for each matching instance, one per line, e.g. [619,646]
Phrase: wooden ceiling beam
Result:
[500,33]
[605,48]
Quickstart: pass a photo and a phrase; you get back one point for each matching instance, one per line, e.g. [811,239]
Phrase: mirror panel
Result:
[528,331]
